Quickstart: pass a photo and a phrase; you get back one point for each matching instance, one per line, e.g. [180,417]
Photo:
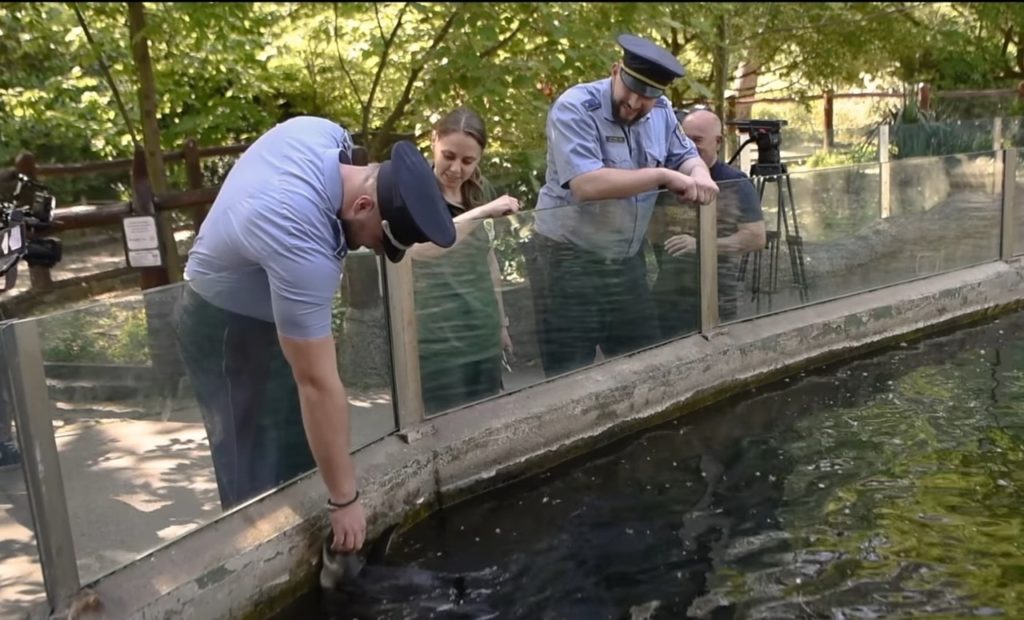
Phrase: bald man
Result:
[740,230]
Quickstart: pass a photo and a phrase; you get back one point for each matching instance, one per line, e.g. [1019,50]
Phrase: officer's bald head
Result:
[704,128]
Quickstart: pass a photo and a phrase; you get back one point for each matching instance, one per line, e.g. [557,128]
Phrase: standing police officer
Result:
[254,320]
[611,145]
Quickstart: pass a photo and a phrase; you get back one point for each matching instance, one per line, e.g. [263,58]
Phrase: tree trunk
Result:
[746,87]
[721,73]
[151,130]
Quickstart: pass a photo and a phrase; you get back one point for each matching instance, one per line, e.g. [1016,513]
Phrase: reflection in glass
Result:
[458,294]
[593,281]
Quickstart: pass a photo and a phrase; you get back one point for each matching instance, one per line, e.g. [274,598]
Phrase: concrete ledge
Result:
[250,562]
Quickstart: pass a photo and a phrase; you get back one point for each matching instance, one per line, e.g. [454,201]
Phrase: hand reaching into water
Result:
[349,526]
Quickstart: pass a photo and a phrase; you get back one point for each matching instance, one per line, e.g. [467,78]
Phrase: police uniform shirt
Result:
[583,136]
[271,247]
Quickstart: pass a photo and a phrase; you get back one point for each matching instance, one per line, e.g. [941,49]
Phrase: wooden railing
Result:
[196,197]
[43,288]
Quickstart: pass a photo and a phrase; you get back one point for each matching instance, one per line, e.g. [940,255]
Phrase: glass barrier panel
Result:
[934,139]
[1013,132]
[829,238]
[21,575]
[177,404]
[1018,200]
[575,283]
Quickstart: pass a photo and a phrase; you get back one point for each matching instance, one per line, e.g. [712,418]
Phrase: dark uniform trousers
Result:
[583,300]
[247,396]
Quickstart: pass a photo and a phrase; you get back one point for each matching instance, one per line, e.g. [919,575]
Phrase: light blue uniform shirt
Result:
[271,247]
[583,136]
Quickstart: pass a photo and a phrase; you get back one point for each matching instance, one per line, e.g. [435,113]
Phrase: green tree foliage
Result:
[225,72]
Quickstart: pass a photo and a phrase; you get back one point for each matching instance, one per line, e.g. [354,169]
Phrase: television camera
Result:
[26,212]
[769,168]
[768,137]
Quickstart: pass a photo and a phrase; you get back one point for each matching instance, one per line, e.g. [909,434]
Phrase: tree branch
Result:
[106,73]
[490,51]
[1020,59]
[406,97]
[388,44]
[376,14]
[341,60]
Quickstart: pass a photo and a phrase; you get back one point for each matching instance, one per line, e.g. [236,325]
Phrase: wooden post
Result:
[194,177]
[39,277]
[163,351]
[885,173]
[1008,177]
[829,129]
[707,249]
[924,96]
[143,204]
[997,146]
[731,141]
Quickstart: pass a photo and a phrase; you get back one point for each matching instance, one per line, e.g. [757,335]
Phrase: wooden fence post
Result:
[39,277]
[194,177]
[829,128]
[885,172]
[924,96]
[159,307]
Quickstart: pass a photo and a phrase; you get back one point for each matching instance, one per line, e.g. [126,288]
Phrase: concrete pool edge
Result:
[251,562]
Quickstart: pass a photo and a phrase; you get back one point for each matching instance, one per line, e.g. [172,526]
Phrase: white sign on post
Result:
[141,241]
[144,258]
[140,232]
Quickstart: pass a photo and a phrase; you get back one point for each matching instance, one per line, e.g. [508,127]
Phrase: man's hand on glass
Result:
[698,188]
[707,190]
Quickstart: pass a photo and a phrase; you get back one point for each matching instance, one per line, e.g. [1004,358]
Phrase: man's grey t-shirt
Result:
[272,246]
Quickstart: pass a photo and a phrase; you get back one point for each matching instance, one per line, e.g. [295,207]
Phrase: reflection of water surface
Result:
[889,487]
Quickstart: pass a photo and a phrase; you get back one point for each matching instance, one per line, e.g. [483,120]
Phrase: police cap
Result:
[412,208]
[647,68]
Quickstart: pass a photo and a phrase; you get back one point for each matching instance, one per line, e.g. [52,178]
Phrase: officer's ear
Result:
[364,205]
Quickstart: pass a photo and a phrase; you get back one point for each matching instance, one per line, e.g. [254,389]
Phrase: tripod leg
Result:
[781,226]
[796,245]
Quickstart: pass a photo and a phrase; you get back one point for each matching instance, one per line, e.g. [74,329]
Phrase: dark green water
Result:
[889,487]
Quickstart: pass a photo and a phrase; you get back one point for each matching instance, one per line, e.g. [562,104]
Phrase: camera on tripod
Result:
[767,134]
[26,210]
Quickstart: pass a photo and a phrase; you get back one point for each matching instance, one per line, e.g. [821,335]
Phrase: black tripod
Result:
[777,174]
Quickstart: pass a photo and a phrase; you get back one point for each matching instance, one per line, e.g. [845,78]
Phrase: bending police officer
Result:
[254,320]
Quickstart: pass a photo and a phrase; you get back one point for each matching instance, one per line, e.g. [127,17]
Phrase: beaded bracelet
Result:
[332,505]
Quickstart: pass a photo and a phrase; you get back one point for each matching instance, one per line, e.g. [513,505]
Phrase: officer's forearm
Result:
[696,168]
[325,417]
[606,183]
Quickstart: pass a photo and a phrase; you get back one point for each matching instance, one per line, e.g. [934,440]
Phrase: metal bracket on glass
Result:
[24,358]
[707,245]
[1009,176]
